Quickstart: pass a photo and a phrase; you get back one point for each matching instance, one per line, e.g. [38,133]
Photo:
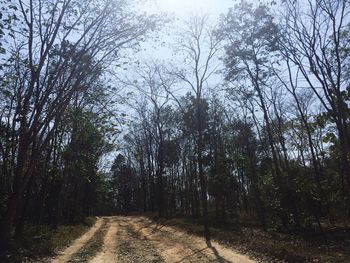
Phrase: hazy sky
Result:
[182,8]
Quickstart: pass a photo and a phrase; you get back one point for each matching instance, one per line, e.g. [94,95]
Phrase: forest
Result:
[107,108]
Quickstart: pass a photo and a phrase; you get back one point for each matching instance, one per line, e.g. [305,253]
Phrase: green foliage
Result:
[195,107]
[123,184]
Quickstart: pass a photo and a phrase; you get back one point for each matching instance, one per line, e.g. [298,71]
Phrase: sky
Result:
[162,49]
[182,8]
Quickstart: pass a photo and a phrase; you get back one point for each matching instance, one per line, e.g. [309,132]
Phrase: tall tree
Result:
[58,51]
[251,36]
[314,38]
[200,48]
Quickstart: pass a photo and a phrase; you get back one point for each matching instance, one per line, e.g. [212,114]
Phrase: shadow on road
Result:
[216,253]
[155,226]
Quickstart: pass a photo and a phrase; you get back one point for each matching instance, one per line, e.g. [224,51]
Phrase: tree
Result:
[251,36]
[314,39]
[124,183]
[200,48]
[59,50]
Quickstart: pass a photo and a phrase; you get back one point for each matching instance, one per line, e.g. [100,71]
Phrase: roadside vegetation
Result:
[42,242]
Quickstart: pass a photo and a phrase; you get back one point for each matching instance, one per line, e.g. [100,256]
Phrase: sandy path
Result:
[65,255]
[109,244]
[141,240]
[177,246]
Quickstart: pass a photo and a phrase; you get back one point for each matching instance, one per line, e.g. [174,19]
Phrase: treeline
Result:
[54,92]
[267,145]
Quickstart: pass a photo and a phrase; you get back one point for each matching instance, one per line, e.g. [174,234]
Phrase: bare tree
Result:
[200,48]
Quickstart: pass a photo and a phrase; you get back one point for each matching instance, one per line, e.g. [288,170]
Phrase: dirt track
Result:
[138,239]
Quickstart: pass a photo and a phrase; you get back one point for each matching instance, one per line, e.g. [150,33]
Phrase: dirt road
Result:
[140,240]
[65,255]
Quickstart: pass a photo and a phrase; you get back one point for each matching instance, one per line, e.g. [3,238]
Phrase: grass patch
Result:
[42,241]
[92,247]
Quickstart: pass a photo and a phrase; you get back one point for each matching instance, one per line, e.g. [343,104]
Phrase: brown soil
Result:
[140,240]
[178,246]
[109,244]
[134,249]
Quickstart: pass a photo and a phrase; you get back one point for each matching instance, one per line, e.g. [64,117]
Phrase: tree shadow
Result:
[158,225]
[189,256]
[219,258]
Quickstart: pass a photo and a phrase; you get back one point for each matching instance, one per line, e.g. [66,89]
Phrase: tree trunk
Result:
[6,223]
[202,178]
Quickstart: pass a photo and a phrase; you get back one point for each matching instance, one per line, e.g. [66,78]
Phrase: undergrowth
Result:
[43,241]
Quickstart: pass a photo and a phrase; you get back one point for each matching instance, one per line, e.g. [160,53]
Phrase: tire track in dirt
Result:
[178,246]
[93,246]
[108,252]
[133,249]
[66,254]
